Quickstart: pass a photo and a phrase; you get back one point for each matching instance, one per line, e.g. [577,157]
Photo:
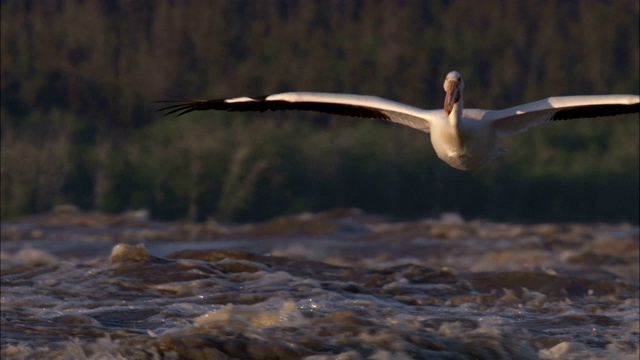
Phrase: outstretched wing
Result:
[341,104]
[519,118]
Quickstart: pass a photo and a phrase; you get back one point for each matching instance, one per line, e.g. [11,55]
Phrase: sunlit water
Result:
[336,285]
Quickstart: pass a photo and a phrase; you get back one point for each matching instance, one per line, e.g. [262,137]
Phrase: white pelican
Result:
[463,138]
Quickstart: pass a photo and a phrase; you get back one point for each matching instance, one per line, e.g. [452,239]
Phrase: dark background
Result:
[79,124]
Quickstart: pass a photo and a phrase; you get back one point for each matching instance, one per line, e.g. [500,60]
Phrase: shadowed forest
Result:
[79,125]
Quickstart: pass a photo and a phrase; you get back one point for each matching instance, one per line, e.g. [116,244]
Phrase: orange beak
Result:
[452,96]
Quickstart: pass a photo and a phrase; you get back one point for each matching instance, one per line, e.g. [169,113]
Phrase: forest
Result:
[79,124]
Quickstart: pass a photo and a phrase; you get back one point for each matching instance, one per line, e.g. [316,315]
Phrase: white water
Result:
[339,285]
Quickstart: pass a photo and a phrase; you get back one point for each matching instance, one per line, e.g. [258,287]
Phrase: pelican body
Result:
[465,139]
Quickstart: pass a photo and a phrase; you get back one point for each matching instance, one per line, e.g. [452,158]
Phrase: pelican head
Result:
[453,86]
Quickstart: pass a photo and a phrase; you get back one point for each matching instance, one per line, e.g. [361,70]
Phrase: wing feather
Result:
[520,118]
[340,104]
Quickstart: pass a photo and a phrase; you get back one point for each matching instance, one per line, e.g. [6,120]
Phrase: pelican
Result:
[465,139]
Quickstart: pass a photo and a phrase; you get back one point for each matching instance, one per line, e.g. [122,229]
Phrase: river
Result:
[341,284]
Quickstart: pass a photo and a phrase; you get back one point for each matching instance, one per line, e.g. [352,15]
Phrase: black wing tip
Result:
[592,111]
[179,107]
[183,106]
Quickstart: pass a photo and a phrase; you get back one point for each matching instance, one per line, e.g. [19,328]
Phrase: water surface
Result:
[335,285]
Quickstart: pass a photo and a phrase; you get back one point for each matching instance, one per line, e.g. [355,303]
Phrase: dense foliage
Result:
[79,124]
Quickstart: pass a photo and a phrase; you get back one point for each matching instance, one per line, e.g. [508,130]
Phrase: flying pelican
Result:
[465,139]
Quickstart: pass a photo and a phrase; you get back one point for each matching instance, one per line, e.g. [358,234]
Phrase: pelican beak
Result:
[452,96]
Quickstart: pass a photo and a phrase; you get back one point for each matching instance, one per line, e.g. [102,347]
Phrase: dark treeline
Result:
[79,124]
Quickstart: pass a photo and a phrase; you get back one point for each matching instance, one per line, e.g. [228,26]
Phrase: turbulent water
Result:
[335,285]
